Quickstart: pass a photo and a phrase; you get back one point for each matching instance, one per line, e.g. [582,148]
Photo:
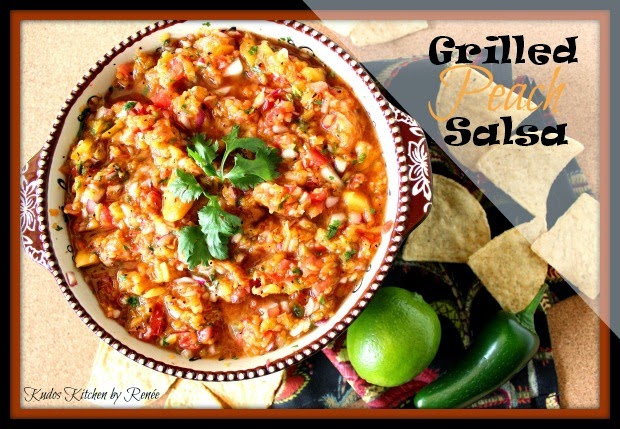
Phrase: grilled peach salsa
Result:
[225,195]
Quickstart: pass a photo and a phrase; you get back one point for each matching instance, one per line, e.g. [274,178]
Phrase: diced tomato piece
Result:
[105,217]
[161,99]
[283,268]
[125,70]
[320,287]
[139,109]
[318,195]
[157,319]
[316,158]
[268,104]
[205,334]
[153,199]
[273,311]
[271,99]
[319,248]
[177,72]
[188,341]
[315,209]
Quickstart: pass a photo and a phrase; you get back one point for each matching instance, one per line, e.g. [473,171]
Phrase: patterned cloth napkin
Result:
[327,379]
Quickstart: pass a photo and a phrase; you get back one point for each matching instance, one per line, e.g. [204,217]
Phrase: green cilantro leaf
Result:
[210,238]
[185,186]
[129,105]
[248,173]
[287,39]
[332,229]
[234,142]
[133,301]
[217,226]
[203,151]
[192,247]
[253,50]
[298,311]
[349,254]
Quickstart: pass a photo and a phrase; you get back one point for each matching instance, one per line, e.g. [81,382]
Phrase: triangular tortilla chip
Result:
[526,173]
[112,371]
[475,108]
[533,229]
[256,392]
[572,245]
[374,32]
[509,270]
[191,394]
[342,27]
[455,228]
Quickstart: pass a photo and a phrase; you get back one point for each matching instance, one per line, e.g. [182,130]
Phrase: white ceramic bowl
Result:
[409,182]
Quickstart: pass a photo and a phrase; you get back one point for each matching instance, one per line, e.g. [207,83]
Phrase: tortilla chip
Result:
[256,392]
[474,107]
[526,173]
[533,229]
[112,371]
[342,27]
[510,271]
[456,226]
[572,245]
[375,32]
[191,394]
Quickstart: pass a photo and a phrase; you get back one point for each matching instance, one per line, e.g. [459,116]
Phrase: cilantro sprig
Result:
[332,229]
[198,244]
[246,173]
[209,239]
[185,186]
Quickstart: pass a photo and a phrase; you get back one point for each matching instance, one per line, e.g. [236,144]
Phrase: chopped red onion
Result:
[331,201]
[165,239]
[71,279]
[200,118]
[200,280]
[90,206]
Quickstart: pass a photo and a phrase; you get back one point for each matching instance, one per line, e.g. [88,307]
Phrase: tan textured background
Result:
[57,349]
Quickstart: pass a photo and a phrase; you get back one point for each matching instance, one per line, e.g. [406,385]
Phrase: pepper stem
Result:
[526,316]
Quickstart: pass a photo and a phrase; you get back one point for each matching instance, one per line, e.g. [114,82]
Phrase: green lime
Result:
[394,339]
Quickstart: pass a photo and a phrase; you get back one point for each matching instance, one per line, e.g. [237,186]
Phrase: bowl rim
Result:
[394,238]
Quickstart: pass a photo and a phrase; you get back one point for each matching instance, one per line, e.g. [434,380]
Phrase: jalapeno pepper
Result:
[504,346]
